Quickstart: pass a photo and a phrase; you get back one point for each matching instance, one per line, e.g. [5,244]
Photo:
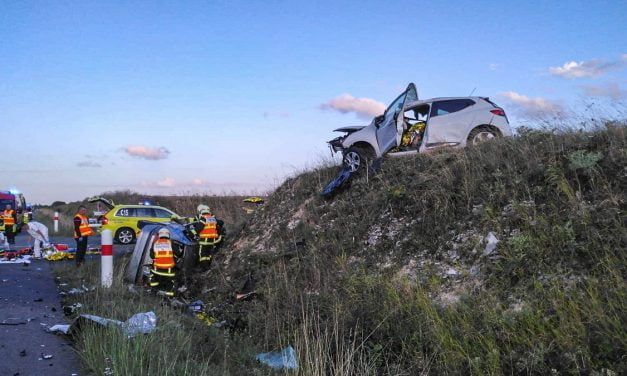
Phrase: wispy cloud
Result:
[362,107]
[146,152]
[167,183]
[531,106]
[609,89]
[197,181]
[494,66]
[88,164]
[590,68]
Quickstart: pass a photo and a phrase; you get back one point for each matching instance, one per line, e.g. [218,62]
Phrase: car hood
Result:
[350,129]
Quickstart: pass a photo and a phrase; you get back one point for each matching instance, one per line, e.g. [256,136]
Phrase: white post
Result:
[56,222]
[106,259]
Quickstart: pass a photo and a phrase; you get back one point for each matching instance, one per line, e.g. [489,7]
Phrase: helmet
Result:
[202,207]
[164,233]
[205,211]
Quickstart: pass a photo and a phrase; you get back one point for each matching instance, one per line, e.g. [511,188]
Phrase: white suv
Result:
[410,126]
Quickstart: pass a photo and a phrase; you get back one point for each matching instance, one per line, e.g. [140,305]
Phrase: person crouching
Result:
[39,233]
[162,273]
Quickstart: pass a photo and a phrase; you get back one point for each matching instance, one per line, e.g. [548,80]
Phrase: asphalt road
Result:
[29,303]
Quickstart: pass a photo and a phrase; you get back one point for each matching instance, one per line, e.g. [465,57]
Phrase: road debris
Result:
[13,321]
[68,310]
[491,242]
[342,180]
[139,323]
[285,358]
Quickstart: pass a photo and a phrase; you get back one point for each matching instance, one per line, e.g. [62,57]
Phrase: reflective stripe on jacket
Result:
[84,228]
[164,256]
[8,218]
[210,231]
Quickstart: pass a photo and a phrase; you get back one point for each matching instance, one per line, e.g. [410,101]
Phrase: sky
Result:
[221,97]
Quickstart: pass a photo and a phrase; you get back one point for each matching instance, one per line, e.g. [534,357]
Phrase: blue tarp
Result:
[285,358]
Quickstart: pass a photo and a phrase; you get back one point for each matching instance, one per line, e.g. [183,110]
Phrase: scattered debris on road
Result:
[139,323]
[285,358]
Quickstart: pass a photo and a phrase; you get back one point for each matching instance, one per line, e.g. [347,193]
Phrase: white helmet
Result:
[201,208]
[164,233]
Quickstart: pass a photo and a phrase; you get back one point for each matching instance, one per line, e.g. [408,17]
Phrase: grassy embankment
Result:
[392,276]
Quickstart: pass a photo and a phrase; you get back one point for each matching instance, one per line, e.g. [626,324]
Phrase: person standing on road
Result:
[39,232]
[82,232]
[10,219]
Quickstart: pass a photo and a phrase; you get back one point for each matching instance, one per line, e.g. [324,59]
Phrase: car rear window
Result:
[126,212]
[449,106]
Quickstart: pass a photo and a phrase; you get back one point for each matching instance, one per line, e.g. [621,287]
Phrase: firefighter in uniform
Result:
[162,273]
[82,232]
[27,216]
[209,237]
[9,218]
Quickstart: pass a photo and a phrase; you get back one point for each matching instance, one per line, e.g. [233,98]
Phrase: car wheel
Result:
[125,235]
[356,158]
[482,134]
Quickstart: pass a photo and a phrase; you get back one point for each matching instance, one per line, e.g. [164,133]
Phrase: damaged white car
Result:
[410,126]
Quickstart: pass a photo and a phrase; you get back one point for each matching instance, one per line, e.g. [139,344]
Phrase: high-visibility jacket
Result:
[25,217]
[84,228]
[210,231]
[164,256]
[7,216]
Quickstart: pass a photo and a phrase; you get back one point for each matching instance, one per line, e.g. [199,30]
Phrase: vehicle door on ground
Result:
[390,128]
[449,121]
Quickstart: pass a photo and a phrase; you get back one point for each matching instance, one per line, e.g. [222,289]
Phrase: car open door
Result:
[390,129]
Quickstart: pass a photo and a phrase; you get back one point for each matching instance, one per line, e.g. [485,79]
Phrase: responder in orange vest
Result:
[10,219]
[210,237]
[82,232]
[162,273]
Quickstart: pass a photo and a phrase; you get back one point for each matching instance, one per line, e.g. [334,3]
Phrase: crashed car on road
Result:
[410,126]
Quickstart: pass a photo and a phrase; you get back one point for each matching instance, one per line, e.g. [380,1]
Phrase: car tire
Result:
[481,134]
[356,159]
[125,235]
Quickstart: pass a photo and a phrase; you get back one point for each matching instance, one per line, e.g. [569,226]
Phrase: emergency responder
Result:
[210,237]
[162,274]
[39,232]
[27,216]
[10,219]
[82,232]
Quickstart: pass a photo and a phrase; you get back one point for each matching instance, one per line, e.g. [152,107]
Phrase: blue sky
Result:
[227,96]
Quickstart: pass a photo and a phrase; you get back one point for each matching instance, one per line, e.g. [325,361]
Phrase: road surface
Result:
[29,303]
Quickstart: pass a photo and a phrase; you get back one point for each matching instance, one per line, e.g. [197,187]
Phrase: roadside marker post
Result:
[56,222]
[106,259]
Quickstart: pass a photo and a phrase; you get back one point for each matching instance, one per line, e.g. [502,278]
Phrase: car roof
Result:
[425,101]
[141,206]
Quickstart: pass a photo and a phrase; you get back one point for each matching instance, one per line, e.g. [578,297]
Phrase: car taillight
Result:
[104,220]
[498,112]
